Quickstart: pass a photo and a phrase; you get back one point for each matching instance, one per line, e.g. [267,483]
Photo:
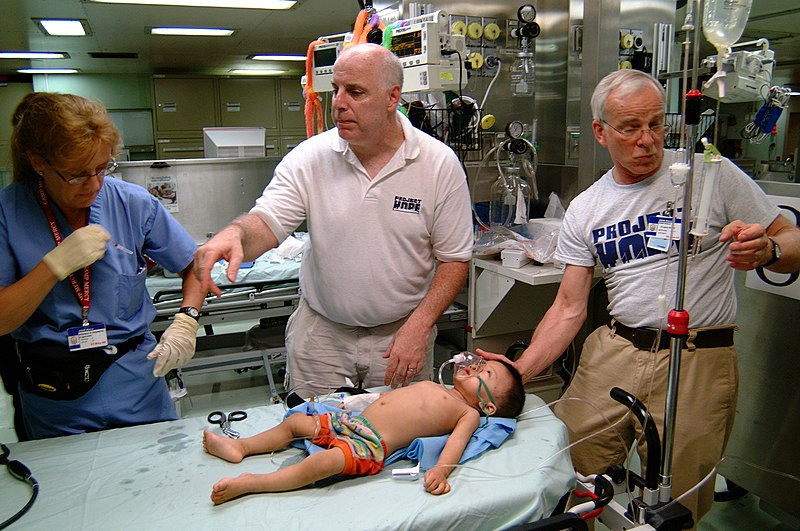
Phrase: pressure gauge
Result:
[514,129]
[526,13]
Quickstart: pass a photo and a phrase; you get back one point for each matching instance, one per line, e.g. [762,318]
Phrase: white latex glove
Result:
[83,247]
[176,346]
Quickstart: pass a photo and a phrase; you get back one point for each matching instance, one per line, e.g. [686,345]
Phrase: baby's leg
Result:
[234,450]
[319,465]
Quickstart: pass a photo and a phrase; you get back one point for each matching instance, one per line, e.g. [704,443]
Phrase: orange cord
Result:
[362,27]
[312,105]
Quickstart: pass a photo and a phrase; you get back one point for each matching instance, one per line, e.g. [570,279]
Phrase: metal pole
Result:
[678,319]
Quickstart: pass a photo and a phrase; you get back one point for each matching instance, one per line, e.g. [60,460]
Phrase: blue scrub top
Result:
[119,299]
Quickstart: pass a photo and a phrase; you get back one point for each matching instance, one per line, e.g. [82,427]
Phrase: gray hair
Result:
[393,69]
[624,82]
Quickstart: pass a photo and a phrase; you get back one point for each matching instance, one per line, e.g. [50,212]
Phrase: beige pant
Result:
[707,393]
[322,353]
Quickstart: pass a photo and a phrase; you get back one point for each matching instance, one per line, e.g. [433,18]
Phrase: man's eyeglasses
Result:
[636,132]
[80,179]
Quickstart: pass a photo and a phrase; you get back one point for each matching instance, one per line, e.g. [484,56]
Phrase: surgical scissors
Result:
[224,421]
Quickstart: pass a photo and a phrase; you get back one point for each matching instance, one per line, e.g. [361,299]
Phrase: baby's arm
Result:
[436,478]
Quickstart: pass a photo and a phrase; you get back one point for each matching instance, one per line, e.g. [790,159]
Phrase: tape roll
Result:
[459,28]
[475,30]
[625,65]
[491,31]
[626,41]
[487,121]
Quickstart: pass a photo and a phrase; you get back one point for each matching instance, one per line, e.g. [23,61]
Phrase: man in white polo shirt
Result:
[390,226]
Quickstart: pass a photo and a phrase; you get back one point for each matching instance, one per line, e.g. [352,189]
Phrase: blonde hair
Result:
[62,129]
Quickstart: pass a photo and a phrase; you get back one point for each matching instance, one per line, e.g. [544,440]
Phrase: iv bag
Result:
[724,21]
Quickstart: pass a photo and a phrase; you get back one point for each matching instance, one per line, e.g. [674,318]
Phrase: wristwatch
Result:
[191,311]
[776,253]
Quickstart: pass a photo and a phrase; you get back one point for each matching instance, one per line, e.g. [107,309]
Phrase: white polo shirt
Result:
[372,241]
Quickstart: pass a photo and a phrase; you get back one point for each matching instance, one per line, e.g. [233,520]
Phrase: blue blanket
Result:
[426,450]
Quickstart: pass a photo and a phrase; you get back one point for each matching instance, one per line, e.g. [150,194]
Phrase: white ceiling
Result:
[121,29]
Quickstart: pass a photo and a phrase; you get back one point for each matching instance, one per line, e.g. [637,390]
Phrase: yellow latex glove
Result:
[176,346]
[83,247]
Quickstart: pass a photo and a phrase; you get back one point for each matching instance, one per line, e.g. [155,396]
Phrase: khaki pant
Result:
[707,393]
[322,353]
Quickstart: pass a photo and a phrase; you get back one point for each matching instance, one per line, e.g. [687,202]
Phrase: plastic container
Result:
[724,21]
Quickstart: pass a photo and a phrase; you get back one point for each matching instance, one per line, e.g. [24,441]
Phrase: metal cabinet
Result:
[179,146]
[184,104]
[250,102]
[292,106]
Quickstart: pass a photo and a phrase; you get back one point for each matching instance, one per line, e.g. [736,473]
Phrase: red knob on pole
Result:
[678,323]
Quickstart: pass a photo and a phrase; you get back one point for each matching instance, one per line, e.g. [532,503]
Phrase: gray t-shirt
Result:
[611,225]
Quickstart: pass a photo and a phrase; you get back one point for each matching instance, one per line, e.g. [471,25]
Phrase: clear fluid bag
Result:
[724,21]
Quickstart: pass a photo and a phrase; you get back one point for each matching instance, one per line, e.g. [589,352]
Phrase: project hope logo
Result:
[627,239]
[407,204]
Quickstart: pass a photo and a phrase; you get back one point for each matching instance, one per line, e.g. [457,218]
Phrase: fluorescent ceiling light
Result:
[64,27]
[34,55]
[240,4]
[265,57]
[48,70]
[256,72]
[201,32]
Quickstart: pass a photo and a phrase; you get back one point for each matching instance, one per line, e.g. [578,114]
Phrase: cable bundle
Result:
[766,117]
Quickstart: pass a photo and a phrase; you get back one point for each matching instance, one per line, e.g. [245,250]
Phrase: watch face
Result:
[190,311]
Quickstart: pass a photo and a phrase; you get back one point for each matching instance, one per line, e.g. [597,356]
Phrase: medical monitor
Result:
[227,142]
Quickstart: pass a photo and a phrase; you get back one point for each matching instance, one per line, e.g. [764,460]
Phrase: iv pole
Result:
[678,318]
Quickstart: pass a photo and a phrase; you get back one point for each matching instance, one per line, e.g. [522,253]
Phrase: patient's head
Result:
[506,394]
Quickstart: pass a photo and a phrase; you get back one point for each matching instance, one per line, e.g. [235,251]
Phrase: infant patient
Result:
[358,444]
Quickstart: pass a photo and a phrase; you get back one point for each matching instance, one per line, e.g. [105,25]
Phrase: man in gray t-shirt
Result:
[616,224]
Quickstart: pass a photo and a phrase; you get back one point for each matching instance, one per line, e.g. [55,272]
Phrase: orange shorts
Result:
[363,448]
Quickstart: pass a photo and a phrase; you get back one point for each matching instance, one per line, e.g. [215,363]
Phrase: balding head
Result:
[387,66]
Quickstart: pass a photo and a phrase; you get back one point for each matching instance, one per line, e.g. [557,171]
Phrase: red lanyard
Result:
[82,295]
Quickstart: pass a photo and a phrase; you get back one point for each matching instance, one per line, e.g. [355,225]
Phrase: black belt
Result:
[644,338]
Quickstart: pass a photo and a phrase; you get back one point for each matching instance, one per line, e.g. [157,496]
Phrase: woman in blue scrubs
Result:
[73,242]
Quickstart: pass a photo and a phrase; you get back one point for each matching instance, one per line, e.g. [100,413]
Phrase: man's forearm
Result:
[447,282]
[256,236]
[550,339]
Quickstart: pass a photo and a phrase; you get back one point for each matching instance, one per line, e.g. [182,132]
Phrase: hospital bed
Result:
[157,476]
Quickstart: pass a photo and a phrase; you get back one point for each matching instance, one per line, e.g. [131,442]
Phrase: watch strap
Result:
[776,253]
[191,311]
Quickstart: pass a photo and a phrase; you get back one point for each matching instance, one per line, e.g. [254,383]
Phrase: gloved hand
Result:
[83,247]
[176,346]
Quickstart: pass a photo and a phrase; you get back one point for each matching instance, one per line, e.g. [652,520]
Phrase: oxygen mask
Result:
[465,365]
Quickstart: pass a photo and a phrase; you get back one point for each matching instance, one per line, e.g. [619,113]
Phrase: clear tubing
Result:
[484,225]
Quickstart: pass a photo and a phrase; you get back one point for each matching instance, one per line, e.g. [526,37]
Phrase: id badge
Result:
[83,337]
[658,232]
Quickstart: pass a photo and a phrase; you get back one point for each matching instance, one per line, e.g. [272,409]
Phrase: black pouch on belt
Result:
[49,369]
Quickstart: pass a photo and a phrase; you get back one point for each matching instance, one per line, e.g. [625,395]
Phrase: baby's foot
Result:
[228,488]
[222,447]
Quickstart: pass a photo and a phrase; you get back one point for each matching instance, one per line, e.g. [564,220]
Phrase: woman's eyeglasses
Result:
[80,179]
